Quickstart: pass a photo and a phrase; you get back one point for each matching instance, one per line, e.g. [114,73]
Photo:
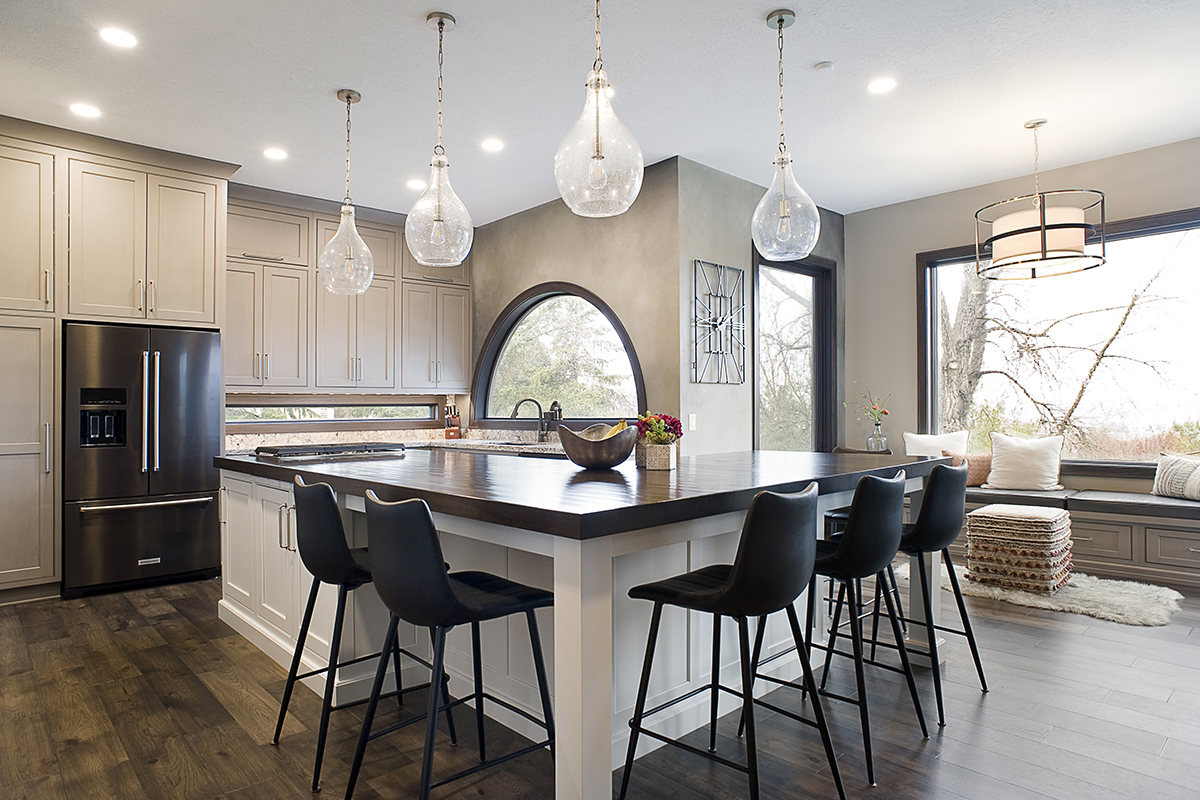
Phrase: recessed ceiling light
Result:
[84,110]
[118,37]
[881,85]
[275,153]
[492,145]
[416,183]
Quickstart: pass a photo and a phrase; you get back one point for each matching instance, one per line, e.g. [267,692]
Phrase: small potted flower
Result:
[657,435]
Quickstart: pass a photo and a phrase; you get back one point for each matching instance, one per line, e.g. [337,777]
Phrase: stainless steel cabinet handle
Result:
[266,366]
[151,295]
[1082,539]
[262,258]
[291,544]
[438,278]
[157,405]
[1193,550]
[439,372]
[222,502]
[257,363]
[47,448]
[123,506]
[360,369]
[145,410]
[431,378]
[140,296]
[282,510]
[47,287]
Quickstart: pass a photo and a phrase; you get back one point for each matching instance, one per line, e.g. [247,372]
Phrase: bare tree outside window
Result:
[785,359]
[1104,357]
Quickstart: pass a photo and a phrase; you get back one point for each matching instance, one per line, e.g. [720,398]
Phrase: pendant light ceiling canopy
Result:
[598,166]
[786,224]
[1041,234]
[346,265]
[438,229]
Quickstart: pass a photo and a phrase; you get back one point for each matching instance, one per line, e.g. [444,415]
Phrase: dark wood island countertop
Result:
[557,497]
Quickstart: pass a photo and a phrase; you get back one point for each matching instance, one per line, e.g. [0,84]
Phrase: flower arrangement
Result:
[872,406]
[658,428]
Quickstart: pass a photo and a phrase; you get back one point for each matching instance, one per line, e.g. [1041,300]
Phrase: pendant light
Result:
[786,223]
[598,166]
[438,229]
[346,265]
[1041,234]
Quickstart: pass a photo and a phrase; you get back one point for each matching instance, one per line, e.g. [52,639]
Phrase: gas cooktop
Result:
[356,451]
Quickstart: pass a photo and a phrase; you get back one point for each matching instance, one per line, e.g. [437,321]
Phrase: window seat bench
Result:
[1125,535]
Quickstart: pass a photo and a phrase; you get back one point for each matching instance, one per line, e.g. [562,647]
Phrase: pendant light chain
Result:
[349,101]
[1037,191]
[598,64]
[782,146]
[439,150]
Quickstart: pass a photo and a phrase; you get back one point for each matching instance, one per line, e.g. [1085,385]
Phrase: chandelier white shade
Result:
[1042,234]
[598,166]
[786,223]
[346,265]
[438,229]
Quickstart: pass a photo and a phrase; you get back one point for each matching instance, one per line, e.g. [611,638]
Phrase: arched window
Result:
[558,341]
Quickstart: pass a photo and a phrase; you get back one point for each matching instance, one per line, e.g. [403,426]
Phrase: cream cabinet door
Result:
[237,541]
[181,250]
[376,335]
[106,240]
[382,243]
[453,370]
[337,362]
[267,235]
[418,335]
[275,578]
[26,450]
[26,229]
[241,339]
[285,327]
[459,276]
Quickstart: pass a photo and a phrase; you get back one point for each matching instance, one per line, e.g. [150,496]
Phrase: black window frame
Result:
[927,345]
[433,402]
[502,328]
[823,271]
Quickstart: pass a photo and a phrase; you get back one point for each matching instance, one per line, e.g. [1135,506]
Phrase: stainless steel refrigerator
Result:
[142,423]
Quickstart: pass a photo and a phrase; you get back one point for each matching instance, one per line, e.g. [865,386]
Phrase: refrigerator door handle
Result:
[124,506]
[145,410]
[157,405]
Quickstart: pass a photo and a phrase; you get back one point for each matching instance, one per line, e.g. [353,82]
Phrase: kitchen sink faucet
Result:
[541,422]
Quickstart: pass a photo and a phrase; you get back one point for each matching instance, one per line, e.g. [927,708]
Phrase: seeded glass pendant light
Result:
[1041,234]
[346,265]
[598,165]
[438,229]
[786,223]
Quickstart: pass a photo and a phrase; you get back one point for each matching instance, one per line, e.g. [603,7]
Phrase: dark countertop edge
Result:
[580,526]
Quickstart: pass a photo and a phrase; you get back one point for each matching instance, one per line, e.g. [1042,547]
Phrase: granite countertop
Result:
[491,446]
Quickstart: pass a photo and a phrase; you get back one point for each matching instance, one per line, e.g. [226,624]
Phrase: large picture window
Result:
[1105,357]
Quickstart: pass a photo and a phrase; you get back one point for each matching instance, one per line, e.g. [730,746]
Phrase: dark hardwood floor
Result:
[147,694]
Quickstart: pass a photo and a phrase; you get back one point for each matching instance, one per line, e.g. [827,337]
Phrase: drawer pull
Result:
[1193,550]
[260,257]
[1082,539]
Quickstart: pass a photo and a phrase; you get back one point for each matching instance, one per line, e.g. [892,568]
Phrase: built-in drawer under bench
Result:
[1128,535]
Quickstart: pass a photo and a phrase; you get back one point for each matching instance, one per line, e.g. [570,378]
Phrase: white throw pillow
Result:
[932,444]
[1024,463]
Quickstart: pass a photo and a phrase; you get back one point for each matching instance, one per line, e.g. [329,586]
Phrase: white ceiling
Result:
[227,78]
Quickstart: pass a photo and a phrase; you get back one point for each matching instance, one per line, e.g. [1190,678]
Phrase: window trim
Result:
[315,425]
[503,327]
[1114,231]
[823,271]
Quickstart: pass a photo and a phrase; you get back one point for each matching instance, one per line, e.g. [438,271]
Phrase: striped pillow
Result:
[1177,476]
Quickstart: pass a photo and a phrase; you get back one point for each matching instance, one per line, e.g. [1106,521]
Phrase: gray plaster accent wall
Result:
[630,261]
[882,243]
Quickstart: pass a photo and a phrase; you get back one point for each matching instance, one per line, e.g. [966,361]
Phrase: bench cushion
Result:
[1056,498]
[1134,503]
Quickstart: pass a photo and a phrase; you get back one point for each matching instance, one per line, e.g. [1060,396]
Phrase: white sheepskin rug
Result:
[1127,602]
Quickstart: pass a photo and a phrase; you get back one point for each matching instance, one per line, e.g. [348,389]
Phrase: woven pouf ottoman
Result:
[1019,547]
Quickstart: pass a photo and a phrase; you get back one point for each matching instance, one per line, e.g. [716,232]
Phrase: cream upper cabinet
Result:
[141,246]
[457,276]
[181,250]
[27,450]
[26,229]
[337,357]
[435,337]
[382,243]
[106,261]
[268,235]
[356,337]
[265,341]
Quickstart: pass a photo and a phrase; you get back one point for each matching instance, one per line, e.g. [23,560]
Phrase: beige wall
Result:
[881,245]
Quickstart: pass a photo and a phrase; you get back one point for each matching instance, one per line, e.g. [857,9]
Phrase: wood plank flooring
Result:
[146,694]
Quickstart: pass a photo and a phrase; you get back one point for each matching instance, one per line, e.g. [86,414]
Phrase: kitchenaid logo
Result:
[142,562]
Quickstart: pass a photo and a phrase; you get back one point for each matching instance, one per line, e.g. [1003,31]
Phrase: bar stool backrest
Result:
[872,535]
[406,557]
[942,510]
[320,536]
[775,554]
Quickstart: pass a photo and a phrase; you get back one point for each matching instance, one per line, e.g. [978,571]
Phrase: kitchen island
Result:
[589,536]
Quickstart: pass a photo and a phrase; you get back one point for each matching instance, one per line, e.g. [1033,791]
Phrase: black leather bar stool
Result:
[416,585]
[938,525]
[773,565]
[867,546]
[321,540]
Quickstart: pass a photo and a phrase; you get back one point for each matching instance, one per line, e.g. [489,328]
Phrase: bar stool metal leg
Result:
[639,707]
[539,667]
[931,635]
[715,694]
[475,654]
[295,668]
[860,679]
[439,658]
[962,613]
[834,630]
[389,641]
[748,704]
[908,671]
[335,645]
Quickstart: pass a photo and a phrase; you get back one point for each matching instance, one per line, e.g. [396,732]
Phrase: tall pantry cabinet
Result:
[93,230]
